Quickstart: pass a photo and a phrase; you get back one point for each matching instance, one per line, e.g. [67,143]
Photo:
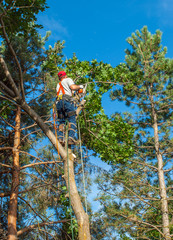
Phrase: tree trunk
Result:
[162,185]
[12,211]
[81,216]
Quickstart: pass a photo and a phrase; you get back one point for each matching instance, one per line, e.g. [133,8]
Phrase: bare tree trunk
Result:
[12,211]
[162,185]
[81,216]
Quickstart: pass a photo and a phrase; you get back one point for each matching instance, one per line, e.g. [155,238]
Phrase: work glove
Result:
[81,89]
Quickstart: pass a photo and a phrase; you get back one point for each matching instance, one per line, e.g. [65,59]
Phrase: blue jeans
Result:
[64,108]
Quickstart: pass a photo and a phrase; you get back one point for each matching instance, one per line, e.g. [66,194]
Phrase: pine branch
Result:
[37,159]
[40,163]
[134,219]
[8,98]
[31,207]
[7,194]
[5,165]
[9,77]
[5,172]
[31,227]
[7,90]
[168,170]
[6,148]
[23,7]
[144,164]
[138,197]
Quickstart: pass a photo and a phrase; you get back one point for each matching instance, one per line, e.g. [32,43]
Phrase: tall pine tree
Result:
[137,196]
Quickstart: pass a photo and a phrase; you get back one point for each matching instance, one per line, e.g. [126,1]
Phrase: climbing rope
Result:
[54,120]
[83,172]
[67,125]
[81,153]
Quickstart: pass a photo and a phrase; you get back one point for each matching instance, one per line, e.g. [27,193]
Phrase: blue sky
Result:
[95,29]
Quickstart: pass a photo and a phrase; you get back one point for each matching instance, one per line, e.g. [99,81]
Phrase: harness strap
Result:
[71,113]
[60,89]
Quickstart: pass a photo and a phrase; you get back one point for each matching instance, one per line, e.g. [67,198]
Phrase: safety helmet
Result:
[61,74]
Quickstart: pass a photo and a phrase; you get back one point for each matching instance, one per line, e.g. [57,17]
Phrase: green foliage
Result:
[5,109]
[110,138]
[53,60]
[19,16]
[68,214]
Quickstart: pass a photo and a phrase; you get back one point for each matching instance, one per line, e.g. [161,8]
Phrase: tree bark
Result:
[162,185]
[81,216]
[12,211]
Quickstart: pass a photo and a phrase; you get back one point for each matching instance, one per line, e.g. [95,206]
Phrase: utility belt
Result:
[64,97]
[69,99]
[69,114]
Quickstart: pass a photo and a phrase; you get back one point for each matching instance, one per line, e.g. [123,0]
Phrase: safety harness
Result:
[60,89]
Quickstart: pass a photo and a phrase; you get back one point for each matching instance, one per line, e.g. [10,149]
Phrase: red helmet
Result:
[61,73]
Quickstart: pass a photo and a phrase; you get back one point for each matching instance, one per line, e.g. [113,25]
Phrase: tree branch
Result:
[29,228]
[40,163]
[139,197]
[142,222]
[31,207]
[7,122]
[5,165]
[7,194]
[9,91]
[9,77]
[15,57]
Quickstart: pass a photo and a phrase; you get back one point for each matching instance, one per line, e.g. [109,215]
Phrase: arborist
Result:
[66,107]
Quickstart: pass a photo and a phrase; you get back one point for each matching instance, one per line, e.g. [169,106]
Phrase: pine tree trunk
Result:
[12,211]
[81,216]
[162,185]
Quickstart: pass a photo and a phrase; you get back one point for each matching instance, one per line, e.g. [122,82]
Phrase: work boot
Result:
[61,141]
[62,128]
[61,133]
[72,141]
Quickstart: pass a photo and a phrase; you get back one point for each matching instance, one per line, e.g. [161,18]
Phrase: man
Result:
[65,107]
